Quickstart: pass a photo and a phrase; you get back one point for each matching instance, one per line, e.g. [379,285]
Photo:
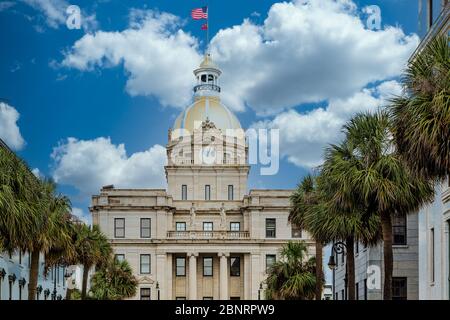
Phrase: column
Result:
[169,275]
[161,276]
[256,274]
[247,277]
[223,274]
[193,276]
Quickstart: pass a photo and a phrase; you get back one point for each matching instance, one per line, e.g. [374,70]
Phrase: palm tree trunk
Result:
[319,271]
[386,227]
[350,265]
[33,275]
[85,280]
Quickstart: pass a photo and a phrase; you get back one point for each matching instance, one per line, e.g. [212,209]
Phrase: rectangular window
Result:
[145,263]
[230,192]
[145,294]
[270,228]
[365,289]
[207,192]
[119,257]
[270,261]
[296,232]
[180,226]
[119,227]
[399,288]
[357,247]
[357,291]
[342,294]
[184,192]
[146,228]
[180,267]
[235,266]
[235,226]
[399,229]
[207,226]
[432,255]
[207,267]
[337,296]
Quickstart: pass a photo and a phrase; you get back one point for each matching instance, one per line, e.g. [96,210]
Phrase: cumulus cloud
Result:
[306,52]
[9,130]
[90,164]
[54,13]
[158,56]
[303,136]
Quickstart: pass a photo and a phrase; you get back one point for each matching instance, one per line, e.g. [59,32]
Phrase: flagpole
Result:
[207,27]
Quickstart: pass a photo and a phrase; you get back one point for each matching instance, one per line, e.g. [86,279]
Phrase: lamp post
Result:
[11,279]
[22,283]
[157,290]
[2,276]
[259,291]
[38,291]
[46,293]
[339,248]
[54,284]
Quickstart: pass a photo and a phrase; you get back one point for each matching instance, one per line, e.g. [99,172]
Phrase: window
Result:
[207,267]
[270,261]
[399,288]
[203,78]
[270,228]
[296,232]
[145,228]
[337,296]
[180,226]
[235,266]
[180,267]
[230,192]
[119,227]
[145,293]
[207,192]
[184,192]
[399,229]
[207,226]
[432,255]
[357,291]
[342,294]
[235,226]
[357,247]
[119,257]
[145,263]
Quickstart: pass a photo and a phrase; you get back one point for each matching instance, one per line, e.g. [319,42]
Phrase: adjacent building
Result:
[434,219]
[205,237]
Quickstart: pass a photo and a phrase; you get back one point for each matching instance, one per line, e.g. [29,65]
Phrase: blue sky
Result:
[62,91]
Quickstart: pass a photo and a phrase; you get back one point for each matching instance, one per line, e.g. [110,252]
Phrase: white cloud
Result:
[303,136]
[37,172]
[9,130]
[157,55]
[54,13]
[79,213]
[90,164]
[306,52]
[5,5]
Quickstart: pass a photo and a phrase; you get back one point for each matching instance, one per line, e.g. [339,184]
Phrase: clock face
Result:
[208,155]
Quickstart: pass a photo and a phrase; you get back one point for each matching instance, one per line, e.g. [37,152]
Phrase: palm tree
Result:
[303,200]
[19,199]
[92,249]
[367,172]
[115,281]
[421,118]
[53,232]
[314,211]
[292,277]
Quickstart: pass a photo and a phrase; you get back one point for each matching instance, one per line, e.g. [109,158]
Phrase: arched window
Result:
[203,78]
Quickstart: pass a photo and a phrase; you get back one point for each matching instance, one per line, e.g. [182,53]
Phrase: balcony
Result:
[207,86]
[206,235]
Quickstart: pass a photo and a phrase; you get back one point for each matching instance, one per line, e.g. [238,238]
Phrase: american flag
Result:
[200,13]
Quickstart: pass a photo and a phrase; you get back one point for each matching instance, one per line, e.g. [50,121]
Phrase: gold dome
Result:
[202,109]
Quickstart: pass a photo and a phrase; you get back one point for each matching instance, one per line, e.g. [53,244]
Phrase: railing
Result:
[208,235]
[207,86]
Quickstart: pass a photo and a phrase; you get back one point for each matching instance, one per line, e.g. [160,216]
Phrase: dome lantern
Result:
[207,76]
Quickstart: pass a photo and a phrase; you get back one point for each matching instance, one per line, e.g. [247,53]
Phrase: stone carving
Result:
[192,216]
[223,218]
[207,124]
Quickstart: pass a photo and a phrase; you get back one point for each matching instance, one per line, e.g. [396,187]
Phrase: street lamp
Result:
[38,291]
[259,291]
[11,279]
[46,293]
[338,248]
[157,289]
[2,276]
[22,283]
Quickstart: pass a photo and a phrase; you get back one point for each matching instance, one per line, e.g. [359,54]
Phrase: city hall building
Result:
[206,236]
